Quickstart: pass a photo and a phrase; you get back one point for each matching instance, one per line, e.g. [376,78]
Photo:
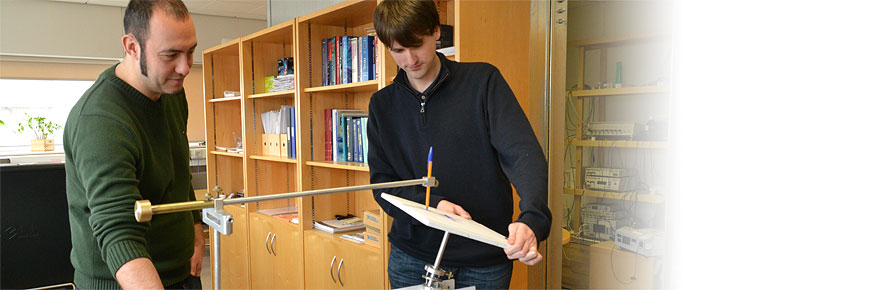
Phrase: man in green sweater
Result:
[126,141]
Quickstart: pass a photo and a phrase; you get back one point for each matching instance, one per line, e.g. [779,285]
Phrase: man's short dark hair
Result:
[137,17]
[405,21]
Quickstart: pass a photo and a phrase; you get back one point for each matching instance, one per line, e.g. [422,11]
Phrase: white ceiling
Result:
[252,9]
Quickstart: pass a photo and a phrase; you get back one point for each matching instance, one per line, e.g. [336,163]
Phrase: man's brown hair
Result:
[405,21]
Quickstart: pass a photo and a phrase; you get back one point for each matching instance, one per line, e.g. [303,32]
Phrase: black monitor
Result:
[35,226]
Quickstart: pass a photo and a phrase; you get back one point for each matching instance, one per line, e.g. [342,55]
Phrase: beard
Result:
[144,69]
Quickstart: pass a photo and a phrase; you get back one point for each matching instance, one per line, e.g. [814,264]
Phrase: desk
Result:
[611,267]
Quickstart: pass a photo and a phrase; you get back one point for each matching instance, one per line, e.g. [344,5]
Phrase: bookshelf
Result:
[279,254]
[224,127]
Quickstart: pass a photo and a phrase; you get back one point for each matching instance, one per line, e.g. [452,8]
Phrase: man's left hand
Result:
[523,244]
[197,259]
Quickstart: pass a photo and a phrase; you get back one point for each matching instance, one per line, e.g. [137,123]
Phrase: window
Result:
[52,99]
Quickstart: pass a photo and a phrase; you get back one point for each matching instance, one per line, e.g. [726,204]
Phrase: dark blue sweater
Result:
[482,143]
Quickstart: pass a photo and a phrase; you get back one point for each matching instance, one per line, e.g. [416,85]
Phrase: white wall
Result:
[71,29]
[284,10]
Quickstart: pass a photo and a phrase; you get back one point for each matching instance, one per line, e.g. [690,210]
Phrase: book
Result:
[332,61]
[338,60]
[344,138]
[339,226]
[358,238]
[338,122]
[325,62]
[328,140]
[365,139]
[347,61]
[290,135]
[354,45]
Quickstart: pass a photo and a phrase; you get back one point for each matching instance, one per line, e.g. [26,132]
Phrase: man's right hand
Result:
[450,207]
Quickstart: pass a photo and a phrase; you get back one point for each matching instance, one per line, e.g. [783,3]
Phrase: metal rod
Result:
[144,210]
[216,270]
[437,261]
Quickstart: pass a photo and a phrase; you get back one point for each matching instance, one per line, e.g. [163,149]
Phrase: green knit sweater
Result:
[121,147]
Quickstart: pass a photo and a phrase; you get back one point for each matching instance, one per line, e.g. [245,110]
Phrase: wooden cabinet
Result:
[333,263]
[234,251]
[276,254]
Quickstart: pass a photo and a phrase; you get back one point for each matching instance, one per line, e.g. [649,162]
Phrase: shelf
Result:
[357,166]
[621,144]
[229,48]
[367,86]
[280,94]
[239,155]
[641,197]
[345,242]
[621,91]
[220,100]
[618,40]
[274,158]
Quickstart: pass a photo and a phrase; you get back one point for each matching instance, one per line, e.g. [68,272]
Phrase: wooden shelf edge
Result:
[357,166]
[621,91]
[357,86]
[270,30]
[219,100]
[240,155]
[274,158]
[222,46]
[642,197]
[621,144]
[272,95]
[618,40]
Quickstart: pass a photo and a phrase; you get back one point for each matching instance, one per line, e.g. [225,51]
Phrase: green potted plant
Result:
[42,129]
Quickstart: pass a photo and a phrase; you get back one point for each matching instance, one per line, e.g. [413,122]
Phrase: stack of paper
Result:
[339,226]
[358,238]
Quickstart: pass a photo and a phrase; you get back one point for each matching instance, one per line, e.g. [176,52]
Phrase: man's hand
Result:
[450,207]
[197,258]
[523,244]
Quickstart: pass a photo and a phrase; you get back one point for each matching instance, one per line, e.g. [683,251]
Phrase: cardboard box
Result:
[284,145]
[270,144]
[373,222]
[373,240]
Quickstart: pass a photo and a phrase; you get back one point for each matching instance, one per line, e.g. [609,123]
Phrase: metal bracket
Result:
[218,219]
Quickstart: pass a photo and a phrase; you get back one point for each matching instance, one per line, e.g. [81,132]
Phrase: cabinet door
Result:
[360,268]
[320,252]
[288,262]
[234,260]
[261,261]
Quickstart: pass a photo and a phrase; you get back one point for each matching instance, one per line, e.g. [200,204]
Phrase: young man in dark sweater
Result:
[482,144]
[125,141]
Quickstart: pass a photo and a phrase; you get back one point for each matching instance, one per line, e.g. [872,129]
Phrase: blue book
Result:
[293,151]
[325,62]
[347,61]
[363,59]
[369,58]
[358,140]
[365,139]
[332,64]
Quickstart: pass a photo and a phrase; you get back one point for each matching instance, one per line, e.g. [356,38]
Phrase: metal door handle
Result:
[331,269]
[265,242]
[338,271]
[271,244]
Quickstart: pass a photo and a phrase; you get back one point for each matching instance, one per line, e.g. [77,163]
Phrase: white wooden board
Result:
[449,222]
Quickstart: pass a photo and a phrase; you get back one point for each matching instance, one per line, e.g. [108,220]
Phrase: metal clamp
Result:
[217,218]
